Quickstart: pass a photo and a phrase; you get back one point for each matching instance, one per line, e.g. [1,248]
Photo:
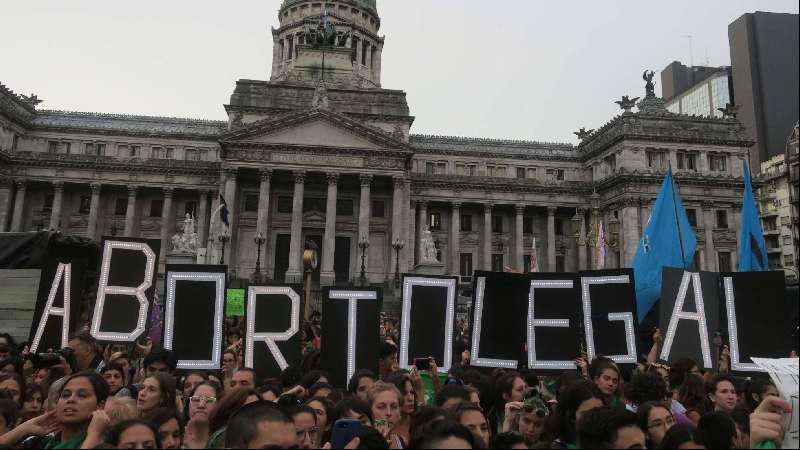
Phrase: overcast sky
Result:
[517,69]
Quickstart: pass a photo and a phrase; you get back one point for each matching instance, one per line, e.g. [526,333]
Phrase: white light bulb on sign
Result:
[270,339]
[625,317]
[353,297]
[679,314]
[405,336]
[533,323]
[63,271]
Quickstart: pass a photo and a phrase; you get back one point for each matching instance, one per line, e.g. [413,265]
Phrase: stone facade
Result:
[308,161]
[775,206]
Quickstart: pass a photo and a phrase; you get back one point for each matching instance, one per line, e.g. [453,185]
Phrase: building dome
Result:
[366,5]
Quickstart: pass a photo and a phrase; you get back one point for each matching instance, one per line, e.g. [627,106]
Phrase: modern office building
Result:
[764,48]
[696,90]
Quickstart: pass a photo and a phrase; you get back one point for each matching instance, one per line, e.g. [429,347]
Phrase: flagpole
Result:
[677,220]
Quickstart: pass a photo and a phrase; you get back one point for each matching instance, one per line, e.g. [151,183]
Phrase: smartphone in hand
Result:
[423,364]
[344,431]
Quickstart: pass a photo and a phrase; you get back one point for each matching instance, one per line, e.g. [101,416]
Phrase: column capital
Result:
[333,178]
[707,205]
[132,190]
[399,182]
[423,203]
[456,205]
[520,209]
[265,174]
[95,187]
[21,183]
[58,186]
[551,210]
[366,179]
[169,191]
[299,176]
[230,172]
[488,207]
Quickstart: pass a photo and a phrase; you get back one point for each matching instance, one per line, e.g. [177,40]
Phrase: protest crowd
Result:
[118,395]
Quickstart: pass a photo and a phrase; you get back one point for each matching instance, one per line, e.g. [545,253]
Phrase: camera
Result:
[47,360]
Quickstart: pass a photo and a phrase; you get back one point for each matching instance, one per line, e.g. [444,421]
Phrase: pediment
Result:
[315,128]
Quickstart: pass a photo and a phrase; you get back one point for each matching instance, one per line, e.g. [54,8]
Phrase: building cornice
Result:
[463,183]
[107,163]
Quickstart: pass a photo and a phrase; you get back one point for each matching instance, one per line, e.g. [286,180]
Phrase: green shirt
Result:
[55,443]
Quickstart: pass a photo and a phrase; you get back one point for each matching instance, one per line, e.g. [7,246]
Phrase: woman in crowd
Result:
[361,383]
[684,437]
[655,419]
[309,433]
[200,405]
[135,433]
[605,374]
[575,401]
[353,408]
[509,388]
[471,416]
[384,402]
[528,418]
[324,409]
[170,427]
[8,415]
[158,390]
[114,375]
[14,385]
[231,402]
[230,362]
[692,395]
[408,403]
[33,402]
[721,393]
[82,395]
[190,382]
[759,389]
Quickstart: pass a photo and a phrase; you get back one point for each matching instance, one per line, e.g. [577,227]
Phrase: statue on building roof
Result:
[32,99]
[627,103]
[323,35]
[650,87]
[583,133]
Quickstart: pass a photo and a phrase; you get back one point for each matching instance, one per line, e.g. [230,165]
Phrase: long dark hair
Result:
[166,384]
[562,423]
[116,431]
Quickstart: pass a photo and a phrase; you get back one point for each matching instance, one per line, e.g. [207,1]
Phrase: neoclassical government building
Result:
[323,155]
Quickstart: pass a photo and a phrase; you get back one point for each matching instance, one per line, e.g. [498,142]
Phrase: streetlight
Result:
[363,244]
[259,240]
[397,246]
[223,238]
[593,234]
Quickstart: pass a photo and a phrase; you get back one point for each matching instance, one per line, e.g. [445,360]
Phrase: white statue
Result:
[429,250]
[186,242]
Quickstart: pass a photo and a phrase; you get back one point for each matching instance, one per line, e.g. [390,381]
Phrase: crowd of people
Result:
[115,395]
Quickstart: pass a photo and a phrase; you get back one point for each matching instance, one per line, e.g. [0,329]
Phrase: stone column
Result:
[407,216]
[582,246]
[212,254]
[709,224]
[398,199]
[19,205]
[202,218]
[167,221]
[551,238]
[519,239]
[487,236]
[411,229]
[58,202]
[629,234]
[737,221]
[295,272]
[455,239]
[5,205]
[130,212]
[364,216]
[262,223]
[328,274]
[233,217]
[422,225]
[94,209]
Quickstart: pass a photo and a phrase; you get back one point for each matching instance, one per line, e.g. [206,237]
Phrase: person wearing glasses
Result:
[305,424]
[201,404]
[527,417]
[655,419]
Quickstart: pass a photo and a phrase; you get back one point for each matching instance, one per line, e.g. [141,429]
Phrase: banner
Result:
[350,331]
[429,303]
[761,328]
[58,303]
[689,316]
[125,289]
[272,337]
[609,315]
[194,312]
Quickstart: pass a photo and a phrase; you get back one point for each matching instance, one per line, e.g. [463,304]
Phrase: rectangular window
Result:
[527,225]
[435,222]
[559,226]
[724,261]
[560,175]
[354,44]
[497,262]
[461,169]
[156,208]
[364,51]
[157,153]
[656,160]
[717,163]
[472,169]
[722,219]
[466,265]
[191,209]
[88,149]
[121,206]
[14,142]
[497,224]
[521,172]
[378,209]
[202,155]
[251,202]
[687,161]
[285,205]
[85,205]
[170,153]
[344,207]
[48,203]
[691,214]
[429,168]
[67,148]
[466,222]
[191,155]
[531,173]
[291,47]
[134,151]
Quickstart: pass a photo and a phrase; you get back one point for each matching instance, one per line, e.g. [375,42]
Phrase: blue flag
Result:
[752,248]
[667,241]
